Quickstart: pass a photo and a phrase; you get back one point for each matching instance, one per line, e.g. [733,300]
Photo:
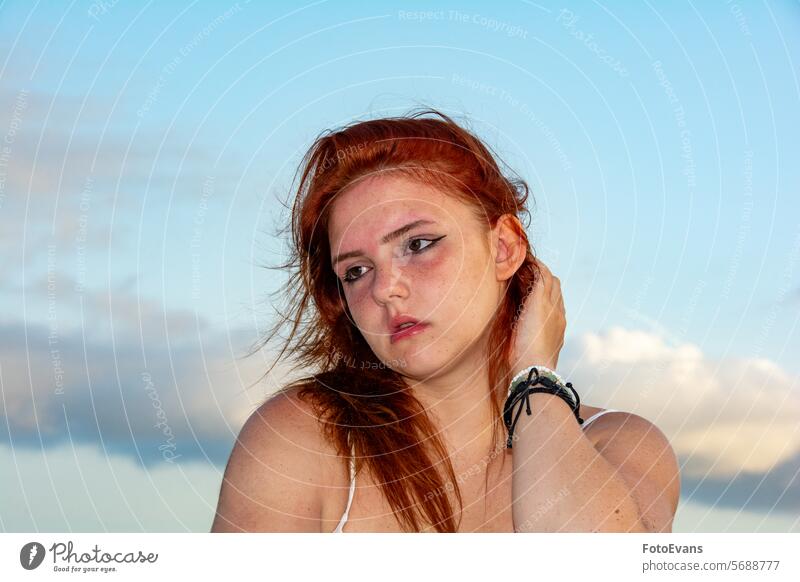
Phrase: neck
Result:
[459,404]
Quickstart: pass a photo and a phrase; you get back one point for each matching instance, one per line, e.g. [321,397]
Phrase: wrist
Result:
[535,383]
[545,402]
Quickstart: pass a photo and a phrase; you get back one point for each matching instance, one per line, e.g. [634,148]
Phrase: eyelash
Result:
[433,242]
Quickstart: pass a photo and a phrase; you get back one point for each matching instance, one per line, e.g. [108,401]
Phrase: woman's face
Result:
[404,249]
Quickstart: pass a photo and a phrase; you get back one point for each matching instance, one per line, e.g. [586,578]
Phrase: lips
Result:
[400,331]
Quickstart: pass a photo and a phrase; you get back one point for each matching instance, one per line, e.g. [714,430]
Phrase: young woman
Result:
[415,298]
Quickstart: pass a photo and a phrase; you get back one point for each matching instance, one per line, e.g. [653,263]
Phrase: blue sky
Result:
[149,147]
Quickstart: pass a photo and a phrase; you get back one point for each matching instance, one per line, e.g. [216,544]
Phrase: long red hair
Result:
[359,400]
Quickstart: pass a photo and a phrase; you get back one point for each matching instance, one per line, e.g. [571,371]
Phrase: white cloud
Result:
[622,345]
[722,416]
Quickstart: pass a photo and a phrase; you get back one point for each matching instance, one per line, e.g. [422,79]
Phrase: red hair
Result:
[359,399]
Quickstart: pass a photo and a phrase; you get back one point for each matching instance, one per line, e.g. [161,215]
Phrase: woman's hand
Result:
[539,327]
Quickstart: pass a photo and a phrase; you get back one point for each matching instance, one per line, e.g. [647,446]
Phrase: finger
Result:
[545,276]
[548,275]
[555,288]
[541,265]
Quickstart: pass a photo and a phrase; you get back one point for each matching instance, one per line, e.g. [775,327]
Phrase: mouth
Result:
[406,327]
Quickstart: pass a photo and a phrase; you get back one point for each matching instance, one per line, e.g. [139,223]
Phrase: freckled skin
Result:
[451,284]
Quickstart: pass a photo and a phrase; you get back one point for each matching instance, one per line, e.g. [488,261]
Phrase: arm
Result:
[561,481]
[273,479]
[643,457]
[629,481]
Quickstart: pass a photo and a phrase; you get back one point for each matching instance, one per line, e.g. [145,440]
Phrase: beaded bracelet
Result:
[535,368]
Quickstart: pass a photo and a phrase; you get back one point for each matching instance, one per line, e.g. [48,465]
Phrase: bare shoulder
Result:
[643,456]
[277,470]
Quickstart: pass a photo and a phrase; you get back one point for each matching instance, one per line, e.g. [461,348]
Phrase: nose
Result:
[389,283]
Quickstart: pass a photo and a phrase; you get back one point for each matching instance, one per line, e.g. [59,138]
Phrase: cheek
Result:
[470,287]
[355,300]
[358,298]
[367,315]
[453,275]
[432,269]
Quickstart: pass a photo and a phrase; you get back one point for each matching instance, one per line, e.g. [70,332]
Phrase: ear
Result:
[509,247]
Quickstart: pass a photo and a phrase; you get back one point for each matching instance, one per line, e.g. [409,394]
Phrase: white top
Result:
[346,513]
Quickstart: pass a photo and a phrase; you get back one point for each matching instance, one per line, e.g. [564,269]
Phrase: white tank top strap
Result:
[346,513]
[597,415]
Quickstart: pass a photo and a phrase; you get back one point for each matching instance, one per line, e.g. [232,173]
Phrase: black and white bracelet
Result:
[536,383]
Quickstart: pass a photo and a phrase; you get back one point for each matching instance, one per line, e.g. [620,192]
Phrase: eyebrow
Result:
[386,239]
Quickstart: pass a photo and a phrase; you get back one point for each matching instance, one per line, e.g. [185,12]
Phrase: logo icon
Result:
[31,555]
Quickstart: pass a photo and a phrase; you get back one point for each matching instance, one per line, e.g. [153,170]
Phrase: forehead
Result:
[377,205]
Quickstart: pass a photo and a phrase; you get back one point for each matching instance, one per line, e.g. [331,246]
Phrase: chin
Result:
[420,365]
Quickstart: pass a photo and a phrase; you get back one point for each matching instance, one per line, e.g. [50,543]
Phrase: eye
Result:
[417,250]
[413,245]
[348,278]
